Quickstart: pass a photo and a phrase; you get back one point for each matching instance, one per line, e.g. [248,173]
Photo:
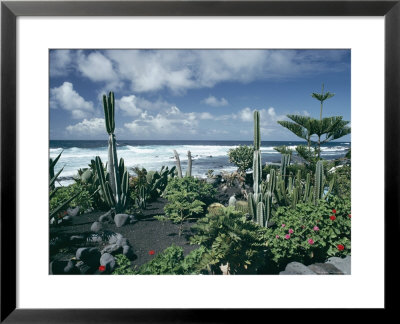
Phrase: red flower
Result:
[151,252]
[340,247]
[333,217]
[102,268]
[334,211]
[349,215]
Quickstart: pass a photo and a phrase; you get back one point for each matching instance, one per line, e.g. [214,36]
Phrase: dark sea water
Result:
[152,154]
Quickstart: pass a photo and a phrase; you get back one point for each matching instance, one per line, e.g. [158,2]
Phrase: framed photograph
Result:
[281,117]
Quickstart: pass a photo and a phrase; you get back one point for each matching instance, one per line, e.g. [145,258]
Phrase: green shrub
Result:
[343,181]
[242,157]
[83,200]
[172,261]
[307,234]
[187,199]
[202,191]
[230,239]
[123,266]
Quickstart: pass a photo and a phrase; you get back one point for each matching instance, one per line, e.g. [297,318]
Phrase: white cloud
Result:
[267,116]
[65,97]
[246,114]
[128,105]
[180,70]
[215,102]
[88,127]
[96,67]
[170,122]
[60,62]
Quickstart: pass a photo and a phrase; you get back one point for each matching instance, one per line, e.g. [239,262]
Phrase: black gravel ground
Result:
[147,234]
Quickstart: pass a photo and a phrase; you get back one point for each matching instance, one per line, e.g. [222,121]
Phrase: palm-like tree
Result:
[305,127]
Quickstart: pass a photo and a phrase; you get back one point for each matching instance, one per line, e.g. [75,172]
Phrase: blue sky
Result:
[193,94]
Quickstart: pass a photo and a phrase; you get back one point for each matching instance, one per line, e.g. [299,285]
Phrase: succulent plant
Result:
[115,184]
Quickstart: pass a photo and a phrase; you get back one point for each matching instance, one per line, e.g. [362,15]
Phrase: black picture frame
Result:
[10,10]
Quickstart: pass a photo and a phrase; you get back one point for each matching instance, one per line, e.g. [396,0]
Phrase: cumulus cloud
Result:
[60,62]
[267,116]
[87,127]
[65,97]
[96,66]
[181,70]
[168,122]
[128,105]
[246,114]
[215,102]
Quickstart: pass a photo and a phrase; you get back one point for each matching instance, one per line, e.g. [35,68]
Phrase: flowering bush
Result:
[310,233]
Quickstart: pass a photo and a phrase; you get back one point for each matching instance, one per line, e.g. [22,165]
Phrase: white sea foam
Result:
[153,157]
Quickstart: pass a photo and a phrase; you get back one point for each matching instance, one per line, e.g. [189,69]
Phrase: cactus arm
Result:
[189,169]
[257,138]
[261,214]
[113,169]
[178,164]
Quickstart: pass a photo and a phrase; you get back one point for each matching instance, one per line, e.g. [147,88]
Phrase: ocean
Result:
[152,155]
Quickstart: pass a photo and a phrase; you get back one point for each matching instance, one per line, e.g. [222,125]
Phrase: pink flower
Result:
[316,228]
[287,236]
[290,231]
[277,236]
[283,225]
[334,211]
[310,241]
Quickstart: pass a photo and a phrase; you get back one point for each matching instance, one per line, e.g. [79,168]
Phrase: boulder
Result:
[121,219]
[343,264]
[108,261]
[112,249]
[296,268]
[96,227]
[122,241]
[83,268]
[89,256]
[324,269]
[73,211]
[114,238]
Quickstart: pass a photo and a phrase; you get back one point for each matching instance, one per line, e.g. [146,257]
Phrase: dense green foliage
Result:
[170,261]
[83,200]
[242,157]
[310,233]
[230,239]
[187,199]
[201,190]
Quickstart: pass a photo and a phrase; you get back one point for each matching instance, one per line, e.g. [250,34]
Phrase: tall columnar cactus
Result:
[257,167]
[189,167]
[113,171]
[285,161]
[114,186]
[178,164]
[319,182]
